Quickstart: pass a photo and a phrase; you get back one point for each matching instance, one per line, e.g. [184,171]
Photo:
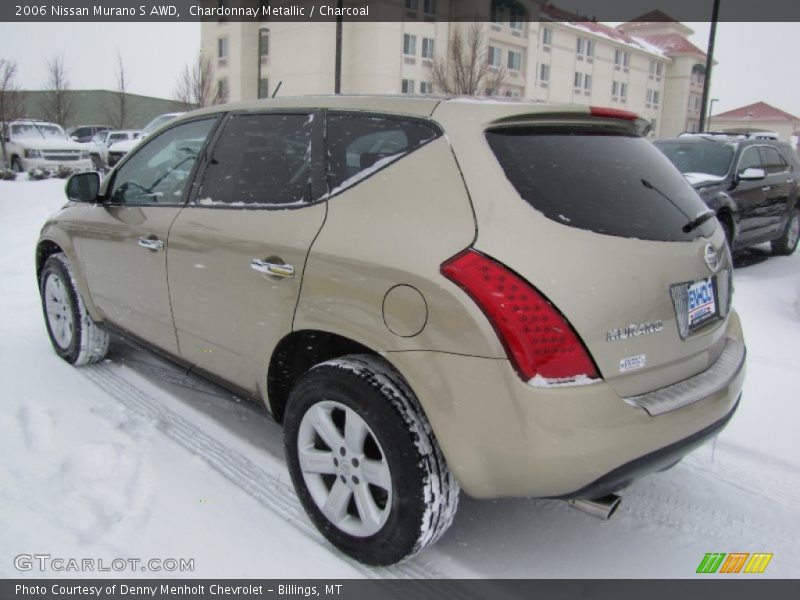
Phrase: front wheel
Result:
[365,463]
[787,243]
[75,336]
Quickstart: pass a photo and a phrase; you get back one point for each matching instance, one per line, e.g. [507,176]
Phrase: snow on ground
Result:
[132,458]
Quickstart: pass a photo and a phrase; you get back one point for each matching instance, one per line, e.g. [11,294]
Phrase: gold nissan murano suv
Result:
[431,295]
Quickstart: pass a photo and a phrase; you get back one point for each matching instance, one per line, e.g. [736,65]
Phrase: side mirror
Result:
[83,187]
[74,138]
[752,174]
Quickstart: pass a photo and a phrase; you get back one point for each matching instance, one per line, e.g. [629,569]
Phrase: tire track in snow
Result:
[264,487]
[782,489]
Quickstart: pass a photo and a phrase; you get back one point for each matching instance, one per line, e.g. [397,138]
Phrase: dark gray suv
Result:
[750,183]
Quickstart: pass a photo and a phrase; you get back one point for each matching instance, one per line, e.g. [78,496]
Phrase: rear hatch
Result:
[598,221]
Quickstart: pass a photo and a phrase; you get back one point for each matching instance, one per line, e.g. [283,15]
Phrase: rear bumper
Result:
[504,438]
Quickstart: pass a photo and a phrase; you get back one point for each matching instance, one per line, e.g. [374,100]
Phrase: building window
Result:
[585,47]
[515,21]
[494,56]
[429,7]
[615,88]
[408,86]
[409,44]
[263,42]
[425,87]
[222,90]
[578,79]
[514,60]
[652,97]
[412,4]
[263,88]
[656,68]
[544,72]
[621,58]
[587,82]
[623,90]
[427,47]
[653,125]
[547,36]
[222,49]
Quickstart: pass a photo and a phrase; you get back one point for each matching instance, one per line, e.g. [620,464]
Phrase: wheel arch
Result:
[295,354]
[45,248]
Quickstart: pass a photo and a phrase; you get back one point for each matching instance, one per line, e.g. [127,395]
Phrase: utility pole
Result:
[337,84]
[709,64]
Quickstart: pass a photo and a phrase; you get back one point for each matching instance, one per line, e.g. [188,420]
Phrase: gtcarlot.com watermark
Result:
[46,563]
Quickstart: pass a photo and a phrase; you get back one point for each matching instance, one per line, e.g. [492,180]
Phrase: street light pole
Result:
[337,79]
[709,62]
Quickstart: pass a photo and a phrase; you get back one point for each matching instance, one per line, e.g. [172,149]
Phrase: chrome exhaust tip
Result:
[602,508]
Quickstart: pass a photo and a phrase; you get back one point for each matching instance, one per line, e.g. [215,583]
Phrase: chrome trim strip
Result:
[711,381]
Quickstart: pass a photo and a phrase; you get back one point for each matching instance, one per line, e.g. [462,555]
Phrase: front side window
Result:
[158,172]
[359,145]
[750,159]
[260,160]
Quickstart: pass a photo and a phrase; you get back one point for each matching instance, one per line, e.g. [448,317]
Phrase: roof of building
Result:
[759,111]
[654,16]
[671,44]
[553,13]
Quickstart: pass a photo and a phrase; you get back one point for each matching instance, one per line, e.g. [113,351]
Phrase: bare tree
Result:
[196,87]
[57,100]
[11,101]
[464,69]
[117,112]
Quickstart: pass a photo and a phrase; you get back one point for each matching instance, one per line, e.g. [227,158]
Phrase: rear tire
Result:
[787,243]
[75,336]
[364,461]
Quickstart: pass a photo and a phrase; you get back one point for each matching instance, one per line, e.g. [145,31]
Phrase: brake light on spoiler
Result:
[543,347]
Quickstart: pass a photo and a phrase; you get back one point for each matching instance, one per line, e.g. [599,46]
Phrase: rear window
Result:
[606,182]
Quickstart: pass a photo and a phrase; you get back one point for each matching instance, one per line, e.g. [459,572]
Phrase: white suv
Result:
[40,145]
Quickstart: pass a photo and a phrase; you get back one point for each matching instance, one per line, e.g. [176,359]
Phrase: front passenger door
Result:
[123,241]
[749,195]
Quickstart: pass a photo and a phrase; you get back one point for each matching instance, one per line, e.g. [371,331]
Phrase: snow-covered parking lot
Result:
[132,458]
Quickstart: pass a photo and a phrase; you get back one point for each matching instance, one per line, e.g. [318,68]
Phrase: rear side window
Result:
[602,181]
[358,145]
[260,160]
[773,162]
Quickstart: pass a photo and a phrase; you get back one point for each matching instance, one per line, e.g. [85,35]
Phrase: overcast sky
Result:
[756,61]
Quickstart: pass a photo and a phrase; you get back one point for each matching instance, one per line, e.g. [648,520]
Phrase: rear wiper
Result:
[699,220]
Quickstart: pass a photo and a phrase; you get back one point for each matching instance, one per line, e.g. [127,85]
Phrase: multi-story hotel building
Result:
[647,66]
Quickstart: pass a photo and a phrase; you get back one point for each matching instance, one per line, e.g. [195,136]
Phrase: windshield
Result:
[699,156]
[37,130]
[601,181]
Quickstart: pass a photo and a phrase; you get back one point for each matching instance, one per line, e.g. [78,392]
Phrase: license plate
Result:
[702,302]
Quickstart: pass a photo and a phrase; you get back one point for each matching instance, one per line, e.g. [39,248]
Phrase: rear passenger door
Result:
[238,251]
[778,187]
[750,196]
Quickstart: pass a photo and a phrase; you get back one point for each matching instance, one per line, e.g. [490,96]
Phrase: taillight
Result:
[541,345]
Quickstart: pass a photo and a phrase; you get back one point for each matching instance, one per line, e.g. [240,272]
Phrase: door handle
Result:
[766,188]
[276,269]
[151,244]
